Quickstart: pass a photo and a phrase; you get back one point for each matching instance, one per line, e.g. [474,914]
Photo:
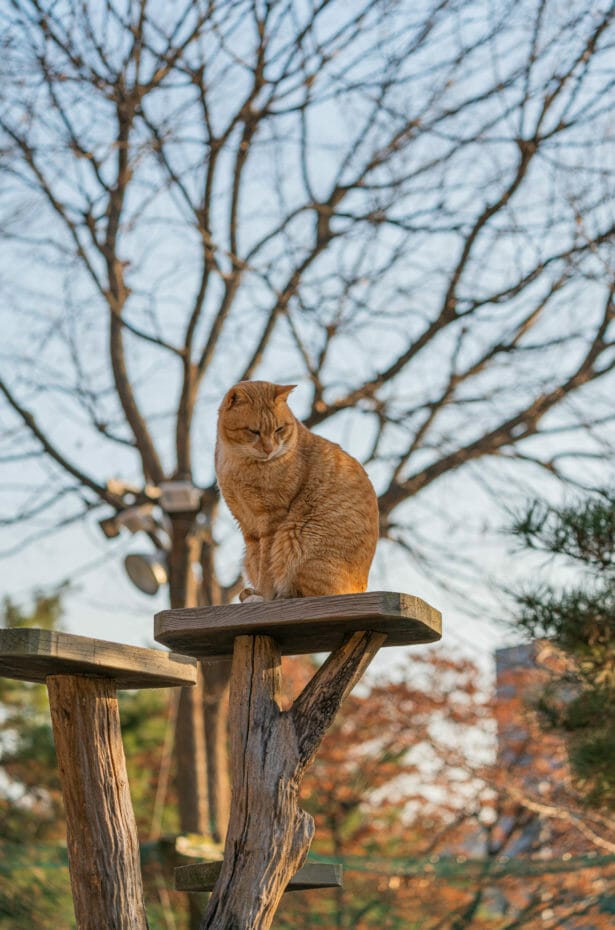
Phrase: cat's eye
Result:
[252,432]
[280,429]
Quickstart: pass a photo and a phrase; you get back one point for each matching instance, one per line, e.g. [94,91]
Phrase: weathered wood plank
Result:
[202,876]
[300,625]
[31,654]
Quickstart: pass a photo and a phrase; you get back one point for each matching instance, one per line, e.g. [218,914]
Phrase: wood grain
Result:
[314,710]
[269,835]
[103,847]
[31,654]
[202,876]
[300,625]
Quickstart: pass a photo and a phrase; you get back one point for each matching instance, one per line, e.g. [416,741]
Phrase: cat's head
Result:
[255,422]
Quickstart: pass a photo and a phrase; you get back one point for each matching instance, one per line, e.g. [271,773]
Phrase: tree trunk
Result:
[269,835]
[191,776]
[216,676]
[101,830]
[201,736]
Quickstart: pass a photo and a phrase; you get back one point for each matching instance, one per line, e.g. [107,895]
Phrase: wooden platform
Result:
[300,625]
[31,654]
[202,876]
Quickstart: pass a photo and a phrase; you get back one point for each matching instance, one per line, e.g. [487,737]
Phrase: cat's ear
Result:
[234,397]
[283,390]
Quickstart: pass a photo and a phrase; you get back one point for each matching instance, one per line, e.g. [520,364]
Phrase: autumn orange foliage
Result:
[450,809]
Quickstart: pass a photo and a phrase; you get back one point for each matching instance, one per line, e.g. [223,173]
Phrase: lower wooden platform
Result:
[202,876]
[32,654]
[300,625]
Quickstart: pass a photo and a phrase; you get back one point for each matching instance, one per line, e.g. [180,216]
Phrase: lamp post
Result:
[148,571]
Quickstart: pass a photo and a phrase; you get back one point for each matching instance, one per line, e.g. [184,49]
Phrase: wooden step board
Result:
[31,654]
[202,876]
[300,625]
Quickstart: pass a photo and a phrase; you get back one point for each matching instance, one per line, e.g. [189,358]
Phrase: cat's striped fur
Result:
[307,510]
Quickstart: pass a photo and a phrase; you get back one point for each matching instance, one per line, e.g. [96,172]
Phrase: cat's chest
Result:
[260,496]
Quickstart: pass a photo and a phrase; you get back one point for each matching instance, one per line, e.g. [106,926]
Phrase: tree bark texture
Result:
[202,774]
[269,835]
[191,772]
[103,846]
[191,760]
[216,675]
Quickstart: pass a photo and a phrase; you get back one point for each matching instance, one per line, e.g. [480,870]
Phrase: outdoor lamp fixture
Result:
[110,527]
[147,570]
[179,497]
[138,519]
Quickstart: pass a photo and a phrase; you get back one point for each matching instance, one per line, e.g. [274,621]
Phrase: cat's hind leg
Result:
[319,577]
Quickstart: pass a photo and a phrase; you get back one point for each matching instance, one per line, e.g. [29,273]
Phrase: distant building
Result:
[532,761]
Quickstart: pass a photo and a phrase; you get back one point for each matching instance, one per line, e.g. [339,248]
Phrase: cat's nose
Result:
[267,445]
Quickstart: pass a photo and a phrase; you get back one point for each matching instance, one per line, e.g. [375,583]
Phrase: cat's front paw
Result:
[249,596]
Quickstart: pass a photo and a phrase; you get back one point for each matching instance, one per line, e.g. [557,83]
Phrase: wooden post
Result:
[268,834]
[82,676]
[101,832]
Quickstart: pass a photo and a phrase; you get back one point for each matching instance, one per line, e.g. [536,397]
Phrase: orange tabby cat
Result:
[307,510]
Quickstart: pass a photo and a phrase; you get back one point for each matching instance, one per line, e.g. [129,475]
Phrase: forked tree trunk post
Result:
[268,835]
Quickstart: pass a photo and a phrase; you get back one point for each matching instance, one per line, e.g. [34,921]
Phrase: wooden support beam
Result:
[300,625]
[202,876]
[82,676]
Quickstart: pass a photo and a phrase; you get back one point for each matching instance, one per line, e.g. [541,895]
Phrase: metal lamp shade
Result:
[147,570]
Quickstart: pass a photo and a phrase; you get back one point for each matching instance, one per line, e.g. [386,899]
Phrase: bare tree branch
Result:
[53,453]
[389,206]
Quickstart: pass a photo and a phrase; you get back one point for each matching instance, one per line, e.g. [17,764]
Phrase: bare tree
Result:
[406,207]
